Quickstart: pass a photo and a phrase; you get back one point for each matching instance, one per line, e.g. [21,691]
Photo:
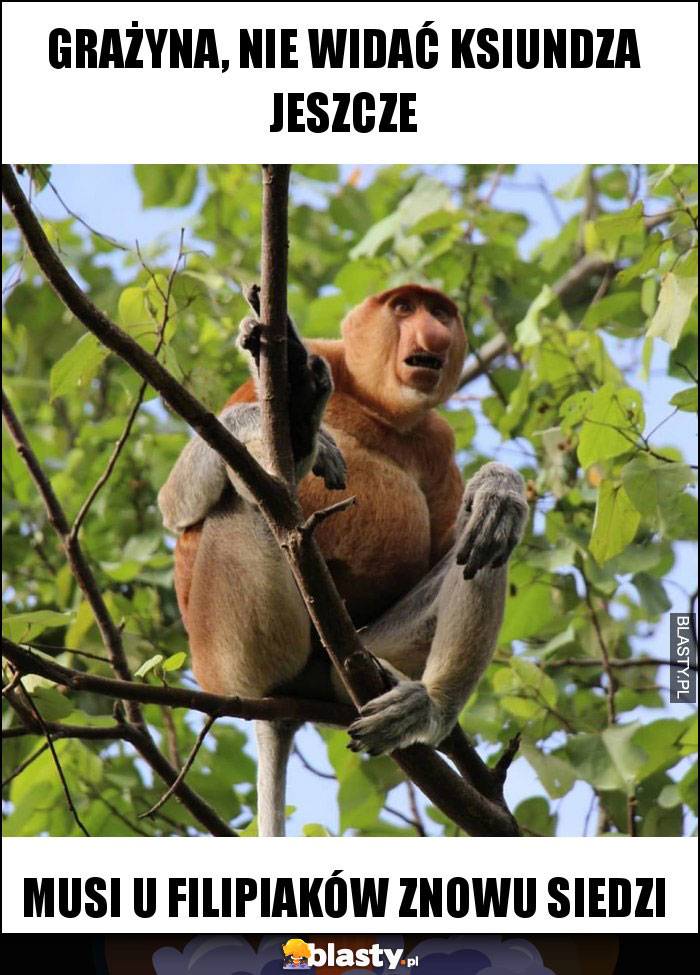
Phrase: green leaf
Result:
[688,788]
[686,399]
[528,330]
[689,740]
[315,829]
[574,409]
[653,249]
[169,185]
[675,298]
[534,679]
[534,816]
[175,661]
[52,704]
[555,774]
[651,593]
[26,626]
[670,796]
[526,708]
[576,187]
[463,423]
[608,761]
[529,606]
[359,802]
[427,197]
[612,226]
[609,308]
[654,487]
[610,424]
[615,523]
[148,665]
[77,367]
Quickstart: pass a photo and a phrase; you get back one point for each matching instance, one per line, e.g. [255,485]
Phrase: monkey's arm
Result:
[198,479]
[458,610]
[199,476]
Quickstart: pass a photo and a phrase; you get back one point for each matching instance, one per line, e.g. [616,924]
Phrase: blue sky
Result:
[108,198]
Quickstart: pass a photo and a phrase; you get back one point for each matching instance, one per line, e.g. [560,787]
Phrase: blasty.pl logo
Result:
[299,955]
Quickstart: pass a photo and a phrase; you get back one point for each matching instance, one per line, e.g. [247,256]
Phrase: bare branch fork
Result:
[472,799]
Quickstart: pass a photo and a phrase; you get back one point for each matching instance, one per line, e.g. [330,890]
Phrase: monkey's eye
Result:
[403,306]
[442,314]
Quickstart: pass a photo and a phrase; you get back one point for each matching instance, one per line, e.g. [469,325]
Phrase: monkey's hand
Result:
[403,716]
[329,463]
[493,520]
[310,386]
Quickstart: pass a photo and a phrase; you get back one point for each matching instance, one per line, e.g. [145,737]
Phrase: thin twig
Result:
[310,768]
[317,517]
[605,654]
[632,815]
[403,817]
[506,760]
[171,736]
[206,728]
[110,240]
[52,748]
[124,436]
[25,764]
[99,797]
[613,662]
[11,684]
[415,811]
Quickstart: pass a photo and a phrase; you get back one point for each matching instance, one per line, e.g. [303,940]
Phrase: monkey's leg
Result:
[249,633]
[249,630]
[462,620]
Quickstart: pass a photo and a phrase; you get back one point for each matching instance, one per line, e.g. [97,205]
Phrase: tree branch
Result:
[274,388]
[249,709]
[82,572]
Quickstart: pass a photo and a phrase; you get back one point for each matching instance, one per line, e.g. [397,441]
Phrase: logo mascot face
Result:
[297,949]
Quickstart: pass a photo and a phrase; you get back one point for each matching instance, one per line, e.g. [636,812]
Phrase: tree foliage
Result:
[567,334]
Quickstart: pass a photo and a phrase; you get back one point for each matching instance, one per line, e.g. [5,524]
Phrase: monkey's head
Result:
[404,349]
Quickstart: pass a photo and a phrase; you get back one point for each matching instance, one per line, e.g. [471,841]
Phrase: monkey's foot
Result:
[404,715]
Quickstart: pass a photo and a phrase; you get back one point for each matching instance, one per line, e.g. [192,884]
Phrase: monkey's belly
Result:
[380,548]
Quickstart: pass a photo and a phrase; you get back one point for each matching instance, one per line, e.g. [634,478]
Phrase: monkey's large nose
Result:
[432,335]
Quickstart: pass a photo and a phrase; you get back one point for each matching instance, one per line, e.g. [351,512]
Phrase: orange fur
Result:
[400,463]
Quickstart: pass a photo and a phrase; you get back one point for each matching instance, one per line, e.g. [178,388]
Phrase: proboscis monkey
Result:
[420,561]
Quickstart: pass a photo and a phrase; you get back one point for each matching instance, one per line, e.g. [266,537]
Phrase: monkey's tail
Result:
[274,739]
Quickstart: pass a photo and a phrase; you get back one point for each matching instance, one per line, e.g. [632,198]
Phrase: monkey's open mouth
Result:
[423,360]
